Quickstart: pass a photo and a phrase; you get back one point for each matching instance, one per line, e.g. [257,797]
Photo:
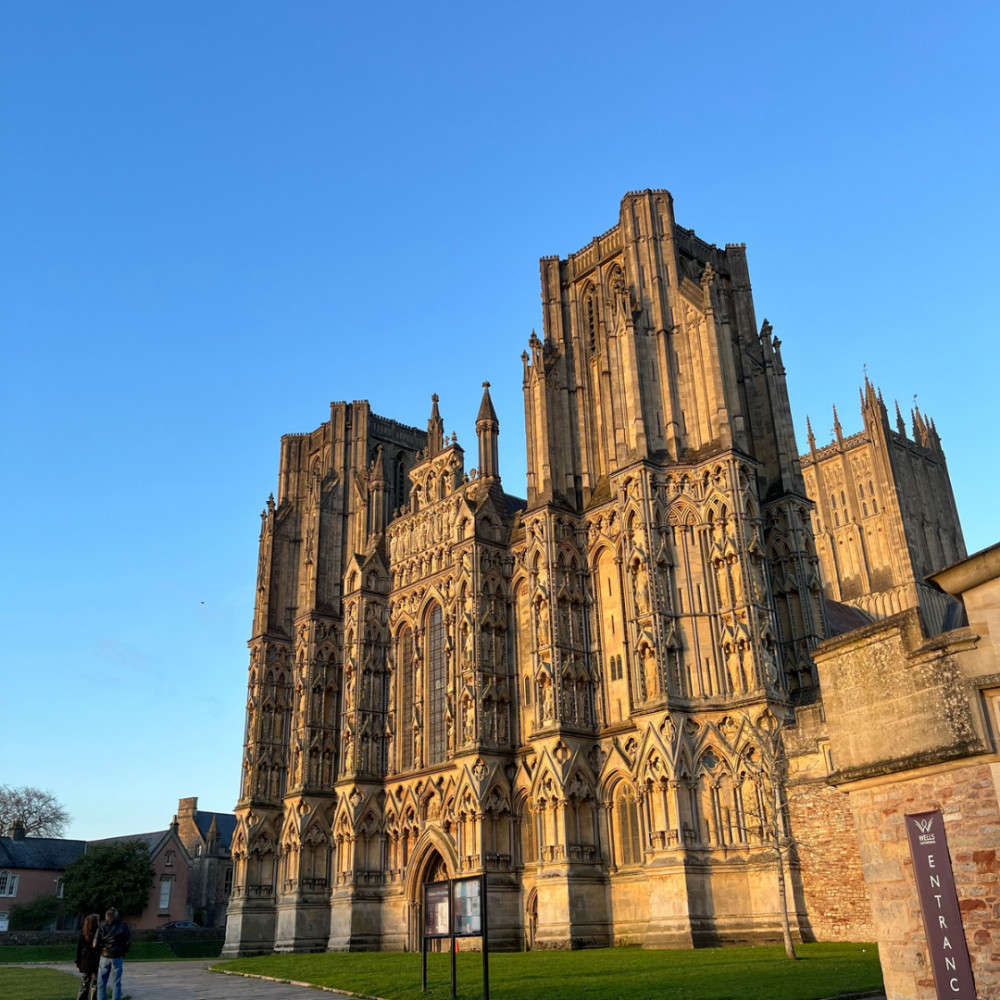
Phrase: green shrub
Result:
[197,949]
[38,915]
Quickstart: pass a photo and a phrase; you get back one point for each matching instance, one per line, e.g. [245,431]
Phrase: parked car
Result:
[179,925]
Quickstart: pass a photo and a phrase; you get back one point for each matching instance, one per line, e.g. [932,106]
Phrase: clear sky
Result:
[218,217]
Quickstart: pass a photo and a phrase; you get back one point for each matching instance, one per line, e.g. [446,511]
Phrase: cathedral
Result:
[597,696]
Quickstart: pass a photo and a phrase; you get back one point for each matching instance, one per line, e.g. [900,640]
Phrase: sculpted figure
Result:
[542,631]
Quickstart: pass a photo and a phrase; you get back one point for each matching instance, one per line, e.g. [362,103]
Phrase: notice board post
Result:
[454,909]
[437,924]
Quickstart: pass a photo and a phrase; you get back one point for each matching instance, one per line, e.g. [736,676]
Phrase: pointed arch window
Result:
[590,315]
[529,849]
[405,722]
[626,814]
[436,685]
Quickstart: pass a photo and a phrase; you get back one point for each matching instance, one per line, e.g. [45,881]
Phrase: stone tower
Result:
[884,515]
[577,694]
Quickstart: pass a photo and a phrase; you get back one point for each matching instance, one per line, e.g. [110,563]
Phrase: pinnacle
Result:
[486,411]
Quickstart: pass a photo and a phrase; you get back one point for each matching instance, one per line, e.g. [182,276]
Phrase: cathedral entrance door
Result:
[432,868]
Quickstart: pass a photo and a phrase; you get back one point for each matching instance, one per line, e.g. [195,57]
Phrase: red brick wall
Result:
[153,916]
[967,798]
[31,883]
[833,883]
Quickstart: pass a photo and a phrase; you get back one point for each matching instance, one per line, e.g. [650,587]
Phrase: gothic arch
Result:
[433,841]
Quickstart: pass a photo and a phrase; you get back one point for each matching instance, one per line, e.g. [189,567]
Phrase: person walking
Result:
[113,940]
[88,957]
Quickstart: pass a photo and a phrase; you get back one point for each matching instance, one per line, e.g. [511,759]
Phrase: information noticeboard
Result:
[436,910]
[467,908]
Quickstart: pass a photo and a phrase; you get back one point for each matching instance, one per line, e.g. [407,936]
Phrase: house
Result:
[207,837]
[172,866]
[194,870]
[32,867]
[191,861]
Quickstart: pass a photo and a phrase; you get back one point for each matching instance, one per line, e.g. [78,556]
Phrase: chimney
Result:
[17,831]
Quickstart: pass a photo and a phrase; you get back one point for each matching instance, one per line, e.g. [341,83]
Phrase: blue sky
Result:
[219,217]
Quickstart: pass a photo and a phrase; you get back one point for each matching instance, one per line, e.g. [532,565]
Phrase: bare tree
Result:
[771,767]
[37,811]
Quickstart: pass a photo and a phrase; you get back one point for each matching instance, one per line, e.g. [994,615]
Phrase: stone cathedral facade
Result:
[581,694]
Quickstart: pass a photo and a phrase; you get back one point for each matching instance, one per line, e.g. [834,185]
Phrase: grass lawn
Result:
[38,984]
[141,951]
[823,970]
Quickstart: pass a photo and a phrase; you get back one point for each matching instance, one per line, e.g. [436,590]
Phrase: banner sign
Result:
[939,906]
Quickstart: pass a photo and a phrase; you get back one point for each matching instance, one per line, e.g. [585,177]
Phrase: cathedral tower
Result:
[885,515]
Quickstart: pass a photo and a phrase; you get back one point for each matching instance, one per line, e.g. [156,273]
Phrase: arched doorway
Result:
[430,867]
[530,919]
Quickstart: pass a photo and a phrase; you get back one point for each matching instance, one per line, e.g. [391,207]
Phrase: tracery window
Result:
[590,315]
[529,850]
[626,813]
[436,685]
[404,724]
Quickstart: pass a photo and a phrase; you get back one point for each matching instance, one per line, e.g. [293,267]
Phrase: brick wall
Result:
[833,886]
[968,799]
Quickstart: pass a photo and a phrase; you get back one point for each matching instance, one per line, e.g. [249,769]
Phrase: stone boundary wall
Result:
[69,937]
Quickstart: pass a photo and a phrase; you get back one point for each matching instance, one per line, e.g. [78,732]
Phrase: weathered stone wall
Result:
[968,799]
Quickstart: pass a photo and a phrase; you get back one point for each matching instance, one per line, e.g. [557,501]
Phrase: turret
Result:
[487,431]
[900,422]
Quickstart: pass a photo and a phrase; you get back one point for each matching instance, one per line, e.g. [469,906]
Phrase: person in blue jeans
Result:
[113,940]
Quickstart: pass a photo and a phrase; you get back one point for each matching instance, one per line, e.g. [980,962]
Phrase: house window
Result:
[8,884]
[3,920]
[170,859]
[60,888]
[166,887]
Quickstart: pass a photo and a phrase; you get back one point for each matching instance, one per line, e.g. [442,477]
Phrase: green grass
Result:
[824,970]
[38,984]
[141,951]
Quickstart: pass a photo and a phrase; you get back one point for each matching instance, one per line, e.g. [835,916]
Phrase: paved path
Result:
[192,981]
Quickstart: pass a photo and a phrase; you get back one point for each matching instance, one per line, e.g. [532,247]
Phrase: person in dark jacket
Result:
[88,957]
[113,940]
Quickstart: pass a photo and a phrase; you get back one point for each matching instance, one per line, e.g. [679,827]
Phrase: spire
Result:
[900,422]
[934,439]
[871,396]
[435,429]
[919,427]
[838,432]
[811,437]
[487,431]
